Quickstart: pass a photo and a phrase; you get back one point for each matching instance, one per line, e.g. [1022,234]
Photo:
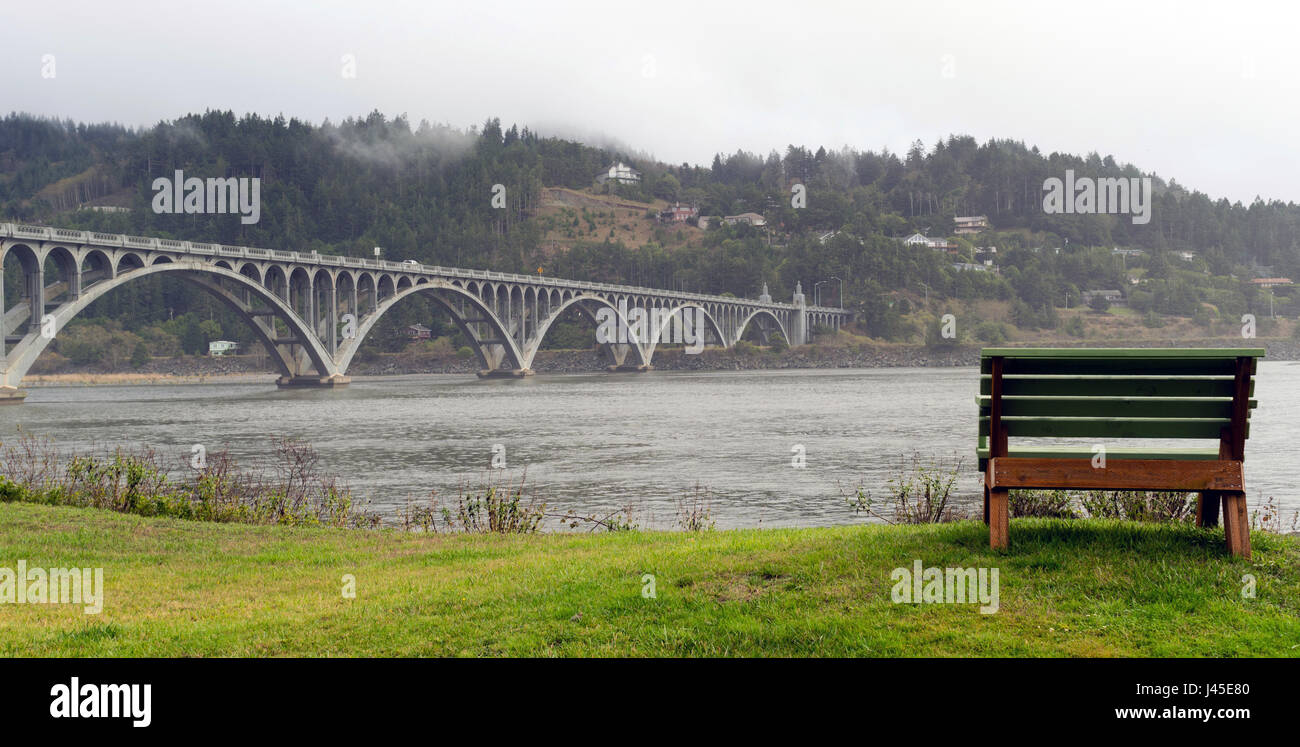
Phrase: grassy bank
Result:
[1089,588]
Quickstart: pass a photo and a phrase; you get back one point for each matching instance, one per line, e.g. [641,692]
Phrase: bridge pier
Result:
[629,368]
[10,395]
[505,373]
[313,382]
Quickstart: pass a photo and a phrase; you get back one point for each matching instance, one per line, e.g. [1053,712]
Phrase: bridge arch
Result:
[444,294]
[740,330]
[128,261]
[204,275]
[253,272]
[666,319]
[584,303]
[277,282]
[95,266]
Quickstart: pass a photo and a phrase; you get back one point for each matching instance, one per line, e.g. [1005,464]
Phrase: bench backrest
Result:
[1116,393]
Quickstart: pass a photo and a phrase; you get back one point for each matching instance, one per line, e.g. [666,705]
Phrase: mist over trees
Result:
[425,192]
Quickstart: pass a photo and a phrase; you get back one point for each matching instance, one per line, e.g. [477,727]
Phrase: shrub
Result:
[994,332]
[135,482]
[1140,505]
[918,494]
[695,511]
[1046,504]
[139,356]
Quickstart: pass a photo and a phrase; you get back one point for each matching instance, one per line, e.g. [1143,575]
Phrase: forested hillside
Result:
[425,192]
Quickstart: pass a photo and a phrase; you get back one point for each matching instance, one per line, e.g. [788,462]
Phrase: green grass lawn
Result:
[1067,588]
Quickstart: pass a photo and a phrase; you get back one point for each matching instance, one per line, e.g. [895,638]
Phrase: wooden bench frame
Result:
[1218,482]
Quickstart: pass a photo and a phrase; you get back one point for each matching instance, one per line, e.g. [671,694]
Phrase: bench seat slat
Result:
[1120,407]
[1112,386]
[1109,428]
[1118,474]
[1166,366]
[1116,452]
[1123,352]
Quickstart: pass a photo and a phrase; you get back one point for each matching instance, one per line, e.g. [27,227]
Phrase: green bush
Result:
[139,356]
[1044,504]
[992,332]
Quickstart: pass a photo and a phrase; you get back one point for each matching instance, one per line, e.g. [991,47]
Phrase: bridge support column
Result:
[799,318]
[332,318]
[313,382]
[10,395]
[629,368]
[36,292]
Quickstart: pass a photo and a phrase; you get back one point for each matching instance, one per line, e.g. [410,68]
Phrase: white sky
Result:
[1202,92]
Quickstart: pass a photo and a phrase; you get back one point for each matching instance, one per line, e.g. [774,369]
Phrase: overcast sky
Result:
[1205,93]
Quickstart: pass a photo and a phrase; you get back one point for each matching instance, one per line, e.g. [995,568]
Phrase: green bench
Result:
[1103,395]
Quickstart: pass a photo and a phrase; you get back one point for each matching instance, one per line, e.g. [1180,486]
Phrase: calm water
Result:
[599,441]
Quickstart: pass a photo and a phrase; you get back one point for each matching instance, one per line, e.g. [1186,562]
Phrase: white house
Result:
[222,347]
[917,239]
[753,219]
[621,173]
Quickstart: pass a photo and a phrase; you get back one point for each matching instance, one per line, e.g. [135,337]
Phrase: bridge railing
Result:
[19,230]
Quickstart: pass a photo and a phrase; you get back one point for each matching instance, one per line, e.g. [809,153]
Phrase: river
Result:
[598,442]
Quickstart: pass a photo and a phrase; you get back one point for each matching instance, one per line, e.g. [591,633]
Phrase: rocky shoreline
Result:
[200,368]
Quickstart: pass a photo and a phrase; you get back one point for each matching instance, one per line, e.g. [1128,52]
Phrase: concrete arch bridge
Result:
[313,311]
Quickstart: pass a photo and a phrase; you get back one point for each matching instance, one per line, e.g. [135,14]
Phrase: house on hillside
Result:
[1272,282]
[918,239]
[418,332]
[971,223]
[223,347]
[753,219]
[619,172]
[678,213]
[1113,297]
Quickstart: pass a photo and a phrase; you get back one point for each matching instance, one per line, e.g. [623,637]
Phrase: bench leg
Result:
[1236,524]
[1207,509]
[999,515]
[986,504]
